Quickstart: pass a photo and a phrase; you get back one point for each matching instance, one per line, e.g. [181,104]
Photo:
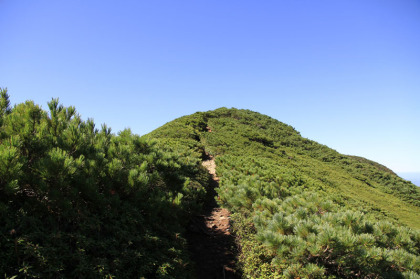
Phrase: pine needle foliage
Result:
[81,202]
[301,209]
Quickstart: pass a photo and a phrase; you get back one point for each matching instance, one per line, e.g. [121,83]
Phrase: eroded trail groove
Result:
[210,241]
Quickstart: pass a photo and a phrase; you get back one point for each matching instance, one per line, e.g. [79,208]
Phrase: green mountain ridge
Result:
[77,201]
[265,166]
[246,133]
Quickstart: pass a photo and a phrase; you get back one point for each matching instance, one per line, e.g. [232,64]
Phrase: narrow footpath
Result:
[209,239]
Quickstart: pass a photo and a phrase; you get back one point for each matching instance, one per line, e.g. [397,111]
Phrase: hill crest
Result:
[223,128]
[301,209]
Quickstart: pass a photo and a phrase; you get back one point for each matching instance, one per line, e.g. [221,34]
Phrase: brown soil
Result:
[209,239]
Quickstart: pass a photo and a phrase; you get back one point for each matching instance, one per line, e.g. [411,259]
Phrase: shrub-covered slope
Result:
[301,209]
[80,202]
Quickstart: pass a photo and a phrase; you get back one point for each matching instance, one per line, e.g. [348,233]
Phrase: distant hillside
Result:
[301,209]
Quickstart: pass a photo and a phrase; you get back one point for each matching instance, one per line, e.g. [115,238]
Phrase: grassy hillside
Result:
[300,208]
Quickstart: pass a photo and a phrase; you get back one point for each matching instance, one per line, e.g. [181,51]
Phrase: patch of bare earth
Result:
[209,239]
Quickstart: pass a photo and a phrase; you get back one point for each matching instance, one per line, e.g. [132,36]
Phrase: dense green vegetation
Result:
[77,201]
[300,209]
[81,202]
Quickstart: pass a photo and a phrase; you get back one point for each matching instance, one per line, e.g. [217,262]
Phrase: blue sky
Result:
[343,73]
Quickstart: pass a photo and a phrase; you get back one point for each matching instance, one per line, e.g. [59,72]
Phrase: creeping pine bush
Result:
[301,209]
[289,219]
[81,202]
[311,236]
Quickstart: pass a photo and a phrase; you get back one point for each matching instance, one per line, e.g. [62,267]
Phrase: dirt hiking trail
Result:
[209,239]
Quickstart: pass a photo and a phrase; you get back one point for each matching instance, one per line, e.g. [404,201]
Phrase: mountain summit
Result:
[301,209]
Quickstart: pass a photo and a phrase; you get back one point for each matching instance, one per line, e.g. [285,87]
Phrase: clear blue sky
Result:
[343,73]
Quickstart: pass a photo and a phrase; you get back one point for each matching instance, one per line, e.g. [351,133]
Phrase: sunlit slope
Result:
[357,182]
